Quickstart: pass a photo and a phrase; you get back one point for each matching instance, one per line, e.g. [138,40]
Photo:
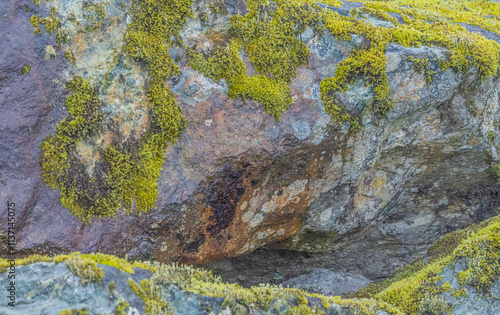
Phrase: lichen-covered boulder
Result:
[196,131]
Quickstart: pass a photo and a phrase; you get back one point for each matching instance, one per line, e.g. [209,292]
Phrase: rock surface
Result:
[50,288]
[326,282]
[237,180]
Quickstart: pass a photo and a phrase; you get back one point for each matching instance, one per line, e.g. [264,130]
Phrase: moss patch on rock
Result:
[202,283]
[126,172]
[418,286]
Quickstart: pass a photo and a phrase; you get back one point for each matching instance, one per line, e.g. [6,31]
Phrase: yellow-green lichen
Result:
[52,24]
[26,68]
[422,67]
[86,269]
[111,286]
[415,288]
[70,57]
[122,307]
[99,258]
[494,170]
[466,50]
[274,95]
[218,7]
[224,63]
[82,311]
[95,11]
[152,296]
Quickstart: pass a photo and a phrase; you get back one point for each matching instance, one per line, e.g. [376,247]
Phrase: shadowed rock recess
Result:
[322,145]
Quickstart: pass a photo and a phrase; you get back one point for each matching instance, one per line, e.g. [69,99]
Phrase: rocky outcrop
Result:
[460,275]
[51,286]
[237,180]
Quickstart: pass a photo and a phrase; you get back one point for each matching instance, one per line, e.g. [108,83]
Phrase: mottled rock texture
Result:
[237,180]
[49,288]
[326,282]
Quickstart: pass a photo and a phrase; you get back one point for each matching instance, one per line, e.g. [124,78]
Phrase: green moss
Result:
[122,307]
[275,96]
[481,253]
[35,20]
[223,63]
[95,11]
[62,37]
[98,258]
[495,171]
[368,64]
[82,311]
[467,50]
[52,24]
[26,68]
[491,137]
[111,286]
[432,304]
[151,295]
[270,34]
[414,289]
[422,67]
[203,18]
[218,7]
[86,269]
[70,57]
[275,299]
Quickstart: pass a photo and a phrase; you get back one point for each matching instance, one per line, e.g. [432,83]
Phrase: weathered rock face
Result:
[237,180]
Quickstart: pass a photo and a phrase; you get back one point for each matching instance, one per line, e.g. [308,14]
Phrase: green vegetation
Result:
[98,258]
[86,269]
[274,95]
[495,171]
[199,281]
[70,57]
[270,34]
[273,299]
[223,63]
[122,307]
[95,11]
[52,24]
[422,67]
[415,288]
[26,68]
[130,172]
[218,7]
[491,137]
[111,286]
[151,295]
[82,311]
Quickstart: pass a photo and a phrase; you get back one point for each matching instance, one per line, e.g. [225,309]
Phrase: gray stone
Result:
[326,282]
